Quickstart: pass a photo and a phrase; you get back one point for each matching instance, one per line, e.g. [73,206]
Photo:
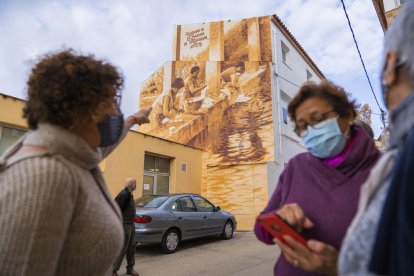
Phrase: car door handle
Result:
[180,218]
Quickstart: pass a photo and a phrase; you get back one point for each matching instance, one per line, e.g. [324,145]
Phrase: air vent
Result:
[183,167]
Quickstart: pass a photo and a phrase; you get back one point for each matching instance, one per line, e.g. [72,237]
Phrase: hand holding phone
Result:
[278,227]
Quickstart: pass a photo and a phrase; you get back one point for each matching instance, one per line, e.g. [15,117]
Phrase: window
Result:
[176,206]
[308,75]
[183,167]
[150,201]
[162,185]
[156,175]
[393,4]
[8,136]
[284,115]
[203,205]
[149,163]
[284,101]
[285,52]
[186,204]
[156,164]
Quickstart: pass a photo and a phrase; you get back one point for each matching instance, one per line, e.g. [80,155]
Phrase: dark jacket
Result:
[125,200]
[394,246]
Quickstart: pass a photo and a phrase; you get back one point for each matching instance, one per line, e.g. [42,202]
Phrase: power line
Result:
[363,64]
[370,112]
[277,75]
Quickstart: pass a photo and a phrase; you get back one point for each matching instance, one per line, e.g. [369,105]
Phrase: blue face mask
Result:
[325,139]
[111,130]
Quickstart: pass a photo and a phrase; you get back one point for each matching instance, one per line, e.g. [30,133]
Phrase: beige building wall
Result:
[390,15]
[128,161]
[11,112]
[240,189]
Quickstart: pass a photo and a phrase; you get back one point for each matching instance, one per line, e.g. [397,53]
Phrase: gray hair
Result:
[130,182]
[400,38]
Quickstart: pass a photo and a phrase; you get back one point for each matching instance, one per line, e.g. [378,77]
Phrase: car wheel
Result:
[227,231]
[170,241]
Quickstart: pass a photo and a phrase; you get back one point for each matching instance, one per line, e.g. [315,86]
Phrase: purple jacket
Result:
[327,195]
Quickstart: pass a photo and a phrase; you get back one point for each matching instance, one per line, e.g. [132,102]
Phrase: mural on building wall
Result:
[223,107]
[152,88]
[231,40]
[216,95]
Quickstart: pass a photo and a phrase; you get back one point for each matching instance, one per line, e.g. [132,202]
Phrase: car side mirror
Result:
[218,208]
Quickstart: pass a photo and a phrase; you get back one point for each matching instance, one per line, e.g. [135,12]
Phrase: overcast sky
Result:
[136,36]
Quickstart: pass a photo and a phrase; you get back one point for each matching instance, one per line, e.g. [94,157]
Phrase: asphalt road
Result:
[242,255]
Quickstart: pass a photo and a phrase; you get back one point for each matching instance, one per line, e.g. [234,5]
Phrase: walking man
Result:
[125,200]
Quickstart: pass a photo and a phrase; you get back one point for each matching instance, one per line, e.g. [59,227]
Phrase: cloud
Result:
[136,35]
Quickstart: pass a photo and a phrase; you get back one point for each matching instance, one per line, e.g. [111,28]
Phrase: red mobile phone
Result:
[278,228]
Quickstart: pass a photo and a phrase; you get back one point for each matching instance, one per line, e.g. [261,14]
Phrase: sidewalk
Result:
[242,255]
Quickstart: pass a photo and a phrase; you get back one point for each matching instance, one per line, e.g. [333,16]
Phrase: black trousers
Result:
[128,249]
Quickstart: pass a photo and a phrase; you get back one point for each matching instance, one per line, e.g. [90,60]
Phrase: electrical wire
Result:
[279,76]
[363,64]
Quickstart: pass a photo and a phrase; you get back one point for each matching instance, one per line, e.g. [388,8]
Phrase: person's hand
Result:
[140,117]
[318,257]
[294,215]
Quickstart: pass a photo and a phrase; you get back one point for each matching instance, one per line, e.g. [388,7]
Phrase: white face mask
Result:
[325,139]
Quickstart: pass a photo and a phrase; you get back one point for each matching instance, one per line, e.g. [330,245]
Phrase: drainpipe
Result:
[278,140]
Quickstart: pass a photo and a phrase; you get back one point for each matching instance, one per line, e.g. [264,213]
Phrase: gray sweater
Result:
[56,214]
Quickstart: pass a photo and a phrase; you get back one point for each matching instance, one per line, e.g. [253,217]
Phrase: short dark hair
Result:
[195,69]
[325,90]
[178,83]
[65,88]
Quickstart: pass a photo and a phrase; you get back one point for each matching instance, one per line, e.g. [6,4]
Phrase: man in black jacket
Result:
[125,200]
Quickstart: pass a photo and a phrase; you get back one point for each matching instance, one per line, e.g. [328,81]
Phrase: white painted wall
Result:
[287,77]
[391,4]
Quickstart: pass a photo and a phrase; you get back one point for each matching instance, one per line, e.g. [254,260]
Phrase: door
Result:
[155,184]
[187,216]
[148,184]
[213,221]
[156,175]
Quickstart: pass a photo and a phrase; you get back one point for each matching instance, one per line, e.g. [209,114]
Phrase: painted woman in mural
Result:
[168,108]
[230,80]
[191,87]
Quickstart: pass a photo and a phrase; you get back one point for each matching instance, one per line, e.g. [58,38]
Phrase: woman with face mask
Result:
[318,191]
[57,216]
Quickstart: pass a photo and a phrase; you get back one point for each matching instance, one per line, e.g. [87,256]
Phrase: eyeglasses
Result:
[302,129]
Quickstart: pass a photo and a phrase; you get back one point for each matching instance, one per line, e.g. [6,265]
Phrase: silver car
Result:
[170,219]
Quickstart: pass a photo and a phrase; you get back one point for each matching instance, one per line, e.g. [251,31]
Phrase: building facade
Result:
[226,134]
[239,77]
[387,10]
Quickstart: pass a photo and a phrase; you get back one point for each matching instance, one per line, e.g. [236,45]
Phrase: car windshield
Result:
[150,201]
